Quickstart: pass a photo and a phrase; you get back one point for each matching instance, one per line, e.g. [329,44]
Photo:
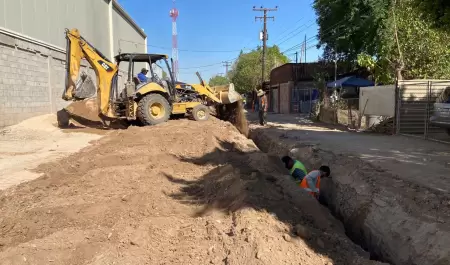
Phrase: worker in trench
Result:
[307,181]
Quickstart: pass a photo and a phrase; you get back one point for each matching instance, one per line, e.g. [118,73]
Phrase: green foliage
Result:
[380,69]
[246,71]
[218,81]
[424,49]
[364,32]
[349,27]
[435,11]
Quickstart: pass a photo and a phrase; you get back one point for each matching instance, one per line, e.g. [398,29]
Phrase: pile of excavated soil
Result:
[182,192]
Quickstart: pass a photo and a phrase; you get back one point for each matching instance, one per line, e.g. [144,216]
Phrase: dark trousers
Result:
[262,117]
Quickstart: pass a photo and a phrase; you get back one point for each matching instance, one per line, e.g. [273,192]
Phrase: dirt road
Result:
[182,192]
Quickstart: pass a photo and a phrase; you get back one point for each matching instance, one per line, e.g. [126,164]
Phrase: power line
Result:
[281,34]
[291,32]
[184,50]
[326,31]
[310,25]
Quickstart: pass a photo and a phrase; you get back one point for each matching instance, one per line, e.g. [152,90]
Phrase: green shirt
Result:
[298,171]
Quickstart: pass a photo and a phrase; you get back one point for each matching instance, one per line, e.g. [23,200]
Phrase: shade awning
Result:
[350,81]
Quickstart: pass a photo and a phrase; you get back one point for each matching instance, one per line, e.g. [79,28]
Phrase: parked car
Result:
[441,111]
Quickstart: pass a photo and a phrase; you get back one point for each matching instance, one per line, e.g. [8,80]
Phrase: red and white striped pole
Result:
[174,15]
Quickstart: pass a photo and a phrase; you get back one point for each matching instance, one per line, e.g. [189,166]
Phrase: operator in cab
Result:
[142,76]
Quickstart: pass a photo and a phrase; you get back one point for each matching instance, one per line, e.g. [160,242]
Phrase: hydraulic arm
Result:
[105,71]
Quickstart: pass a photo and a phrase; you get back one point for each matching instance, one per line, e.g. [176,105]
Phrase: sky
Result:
[213,31]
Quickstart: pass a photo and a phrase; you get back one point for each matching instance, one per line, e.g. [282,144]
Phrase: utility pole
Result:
[226,64]
[305,48]
[301,52]
[296,57]
[264,36]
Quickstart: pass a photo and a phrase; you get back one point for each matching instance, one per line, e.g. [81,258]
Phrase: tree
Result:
[246,71]
[436,11]
[218,81]
[391,38]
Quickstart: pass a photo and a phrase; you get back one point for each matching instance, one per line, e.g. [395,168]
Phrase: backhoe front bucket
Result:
[227,94]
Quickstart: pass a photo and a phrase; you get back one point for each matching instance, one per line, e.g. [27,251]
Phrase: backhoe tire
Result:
[200,113]
[153,109]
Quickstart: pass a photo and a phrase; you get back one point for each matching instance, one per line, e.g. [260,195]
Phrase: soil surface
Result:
[33,142]
[182,192]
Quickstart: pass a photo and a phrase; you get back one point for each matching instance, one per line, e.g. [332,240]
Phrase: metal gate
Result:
[273,101]
[415,107]
[302,100]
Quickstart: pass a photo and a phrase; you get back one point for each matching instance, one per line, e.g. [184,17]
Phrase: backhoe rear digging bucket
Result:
[85,88]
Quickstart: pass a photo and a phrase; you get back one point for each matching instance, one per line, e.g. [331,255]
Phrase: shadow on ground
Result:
[237,182]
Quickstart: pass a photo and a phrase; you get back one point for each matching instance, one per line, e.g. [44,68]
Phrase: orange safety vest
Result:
[304,185]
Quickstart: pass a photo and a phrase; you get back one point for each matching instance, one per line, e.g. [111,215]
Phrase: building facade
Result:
[33,45]
[292,88]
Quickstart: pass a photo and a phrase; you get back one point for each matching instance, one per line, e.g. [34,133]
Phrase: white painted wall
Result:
[377,100]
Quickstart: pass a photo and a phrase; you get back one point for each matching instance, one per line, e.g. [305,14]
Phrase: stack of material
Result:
[386,126]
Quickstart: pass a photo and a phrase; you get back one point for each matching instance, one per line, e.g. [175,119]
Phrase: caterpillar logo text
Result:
[105,66]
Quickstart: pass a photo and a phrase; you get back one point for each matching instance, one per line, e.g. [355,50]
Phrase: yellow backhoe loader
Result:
[151,102]
[202,89]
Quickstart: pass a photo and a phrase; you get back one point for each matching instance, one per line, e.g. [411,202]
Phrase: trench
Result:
[372,216]
[270,147]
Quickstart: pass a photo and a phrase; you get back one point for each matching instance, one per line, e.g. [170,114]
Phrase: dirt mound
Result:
[181,192]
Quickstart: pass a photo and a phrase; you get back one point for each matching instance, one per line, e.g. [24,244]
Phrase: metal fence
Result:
[415,107]
[303,100]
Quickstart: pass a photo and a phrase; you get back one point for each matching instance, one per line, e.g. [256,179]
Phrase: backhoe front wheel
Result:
[200,113]
[153,109]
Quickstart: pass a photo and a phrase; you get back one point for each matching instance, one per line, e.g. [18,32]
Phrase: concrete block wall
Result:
[32,79]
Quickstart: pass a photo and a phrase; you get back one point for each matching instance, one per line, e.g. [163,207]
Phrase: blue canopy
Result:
[350,81]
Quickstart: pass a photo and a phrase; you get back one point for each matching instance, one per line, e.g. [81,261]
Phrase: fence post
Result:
[310,102]
[427,106]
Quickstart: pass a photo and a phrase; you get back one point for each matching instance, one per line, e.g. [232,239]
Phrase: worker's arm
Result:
[311,179]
